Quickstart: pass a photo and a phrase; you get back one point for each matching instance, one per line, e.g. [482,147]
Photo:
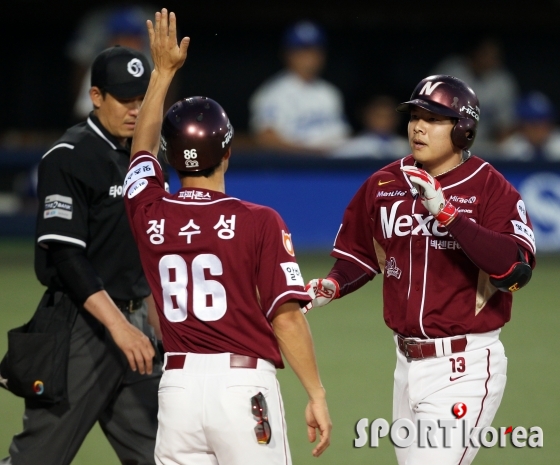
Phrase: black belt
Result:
[129,306]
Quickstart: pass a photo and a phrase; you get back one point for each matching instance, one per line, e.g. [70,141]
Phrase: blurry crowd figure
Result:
[98,30]
[496,87]
[379,138]
[537,138]
[296,110]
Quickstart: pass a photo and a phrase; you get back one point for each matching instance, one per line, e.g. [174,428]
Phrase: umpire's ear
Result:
[97,96]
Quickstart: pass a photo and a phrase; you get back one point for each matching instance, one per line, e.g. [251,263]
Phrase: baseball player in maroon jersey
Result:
[453,240]
[226,283]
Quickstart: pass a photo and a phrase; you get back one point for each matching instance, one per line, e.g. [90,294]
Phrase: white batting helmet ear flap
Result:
[463,133]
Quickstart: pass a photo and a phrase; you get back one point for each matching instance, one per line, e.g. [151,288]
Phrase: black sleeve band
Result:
[517,276]
[74,271]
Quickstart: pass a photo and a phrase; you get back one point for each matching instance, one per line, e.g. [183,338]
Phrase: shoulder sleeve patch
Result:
[139,171]
[59,206]
[292,273]
[287,241]
[524,231]
[137,187]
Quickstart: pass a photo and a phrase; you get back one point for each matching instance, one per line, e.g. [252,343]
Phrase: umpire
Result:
[85,253]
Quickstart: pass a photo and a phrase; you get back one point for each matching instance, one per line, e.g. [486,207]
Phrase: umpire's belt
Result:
[177,361]
[129,306]
[416,349]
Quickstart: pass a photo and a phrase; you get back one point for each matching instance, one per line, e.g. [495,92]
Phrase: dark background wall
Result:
[374,47]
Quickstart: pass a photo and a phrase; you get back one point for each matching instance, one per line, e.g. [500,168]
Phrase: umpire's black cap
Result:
[121,71]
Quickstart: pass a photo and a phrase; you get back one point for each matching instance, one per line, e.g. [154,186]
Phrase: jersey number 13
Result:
[209,301]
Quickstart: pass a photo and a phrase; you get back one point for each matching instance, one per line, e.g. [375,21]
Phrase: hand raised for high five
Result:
[167,54]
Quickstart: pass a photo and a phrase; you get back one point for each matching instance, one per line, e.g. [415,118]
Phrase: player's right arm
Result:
[345,277]
[168,57]
[295,341]
[353,248]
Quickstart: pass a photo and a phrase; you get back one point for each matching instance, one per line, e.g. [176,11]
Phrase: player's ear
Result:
[96,96]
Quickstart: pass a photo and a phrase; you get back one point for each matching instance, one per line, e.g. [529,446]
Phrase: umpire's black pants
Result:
[101,387]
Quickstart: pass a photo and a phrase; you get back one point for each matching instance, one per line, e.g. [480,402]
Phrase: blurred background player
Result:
[483,67]
[296,110]
[86,257]
[379,138]
[453,240]
[536,138]
[226,283]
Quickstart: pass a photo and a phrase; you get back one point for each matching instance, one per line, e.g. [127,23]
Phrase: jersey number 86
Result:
[175,295]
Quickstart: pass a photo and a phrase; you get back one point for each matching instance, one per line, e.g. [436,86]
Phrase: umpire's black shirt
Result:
[80,203]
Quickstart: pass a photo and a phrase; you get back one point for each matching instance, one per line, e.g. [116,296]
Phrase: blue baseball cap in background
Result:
[304,34]
[535,106]
[127,21]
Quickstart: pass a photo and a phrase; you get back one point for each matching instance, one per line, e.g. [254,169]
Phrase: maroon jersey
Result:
[430,287]
[218,267]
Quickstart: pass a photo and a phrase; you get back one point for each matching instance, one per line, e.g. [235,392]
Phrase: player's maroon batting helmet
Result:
[448,96]
[196,134]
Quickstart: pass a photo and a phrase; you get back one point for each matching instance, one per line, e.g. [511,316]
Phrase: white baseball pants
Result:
[205,415]
[427,390]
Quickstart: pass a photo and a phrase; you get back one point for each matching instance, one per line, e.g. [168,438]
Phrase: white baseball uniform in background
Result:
[306,113]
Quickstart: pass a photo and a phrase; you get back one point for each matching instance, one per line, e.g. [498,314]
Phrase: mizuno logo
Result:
[381,183]
[455,379]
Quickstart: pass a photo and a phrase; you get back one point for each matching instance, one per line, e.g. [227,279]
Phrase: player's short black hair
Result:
[198,174]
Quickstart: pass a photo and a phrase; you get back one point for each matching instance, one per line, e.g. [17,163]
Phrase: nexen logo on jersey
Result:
[400,225]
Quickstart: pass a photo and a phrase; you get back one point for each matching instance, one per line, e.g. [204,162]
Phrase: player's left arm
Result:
[506,257]
[168,56]
[508,264]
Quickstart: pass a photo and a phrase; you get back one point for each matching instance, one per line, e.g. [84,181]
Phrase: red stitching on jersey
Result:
[483,399]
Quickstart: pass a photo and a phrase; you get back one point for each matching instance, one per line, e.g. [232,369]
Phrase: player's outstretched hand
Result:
[322,291]
[168,56]
[318,418]
[431,195]
[136,346]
